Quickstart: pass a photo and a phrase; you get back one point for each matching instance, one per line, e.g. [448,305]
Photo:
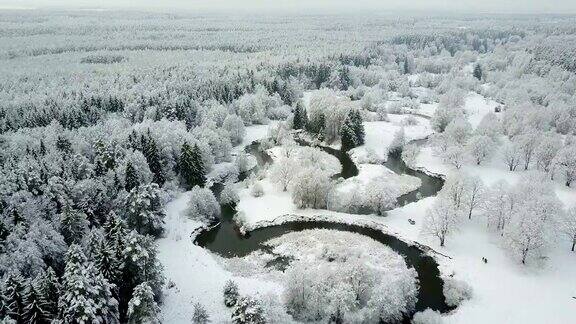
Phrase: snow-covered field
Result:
[379,135]
[401,184]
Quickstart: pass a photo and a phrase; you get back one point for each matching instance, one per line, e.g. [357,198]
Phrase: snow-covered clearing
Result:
[379,135]
[401,184]
[475,106]
[253,133]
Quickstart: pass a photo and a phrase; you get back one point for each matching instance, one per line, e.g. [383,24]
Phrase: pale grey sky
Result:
[482,6]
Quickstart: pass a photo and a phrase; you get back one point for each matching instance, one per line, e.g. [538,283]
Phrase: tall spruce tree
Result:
[358,127]
[150,151]
[107,262]
[13,297]
[478,71]
[49,290]
[352,131]
[142,308]
[191,166]
[317,125]
[347,135]
[131,178]
[300,116]
[35,309]
[86,295]
[73,224]
[144,210]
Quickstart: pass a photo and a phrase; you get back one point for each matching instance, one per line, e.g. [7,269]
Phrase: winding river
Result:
[225,240]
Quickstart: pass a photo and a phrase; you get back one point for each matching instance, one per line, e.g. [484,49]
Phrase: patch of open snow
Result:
[401,184]
[253,133]
[379,136]
[477,106]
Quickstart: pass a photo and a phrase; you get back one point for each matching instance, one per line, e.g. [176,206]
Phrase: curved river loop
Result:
[226,240]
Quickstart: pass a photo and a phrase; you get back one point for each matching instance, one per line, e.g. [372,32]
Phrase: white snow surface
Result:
[401,184]
[379,135]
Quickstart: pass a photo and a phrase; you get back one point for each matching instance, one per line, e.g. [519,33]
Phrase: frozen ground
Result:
[401,184]
[475,106]
[379,135]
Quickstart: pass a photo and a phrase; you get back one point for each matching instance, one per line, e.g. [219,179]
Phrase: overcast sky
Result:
[483,6]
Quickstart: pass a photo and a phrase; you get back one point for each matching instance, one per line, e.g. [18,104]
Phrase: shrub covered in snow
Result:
[203,206]
[456,291]
[310,188]
[382,113]
[229,196]
[257,190]
[248,310]
[200,315]
[427,316]
[410,154]
[231,294]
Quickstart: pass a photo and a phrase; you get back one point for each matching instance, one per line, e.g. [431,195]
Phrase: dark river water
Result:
[225,239]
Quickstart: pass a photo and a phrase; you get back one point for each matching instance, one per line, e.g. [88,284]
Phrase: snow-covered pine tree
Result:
[317,126]
[231,294]
[49,289]
[358,127]
[131,178]
[13,295]
[347,135]
[86,296]
[248,310]
[144,210]
[191,166]
[35,309]
[142,308]
[200,315]
[150,151]
[140,265]
[64,145]
[478,71]
[73,224]
[106,261]
[300,116]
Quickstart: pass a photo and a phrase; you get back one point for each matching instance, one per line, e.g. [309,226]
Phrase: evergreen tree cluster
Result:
[191,166]
[148,146]
[300,119]
[352,132]
[477,72]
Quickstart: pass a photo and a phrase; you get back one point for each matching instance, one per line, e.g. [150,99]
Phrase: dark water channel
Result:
[225,239]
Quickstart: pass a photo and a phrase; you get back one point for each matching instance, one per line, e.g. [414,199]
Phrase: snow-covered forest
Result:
[177,168]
